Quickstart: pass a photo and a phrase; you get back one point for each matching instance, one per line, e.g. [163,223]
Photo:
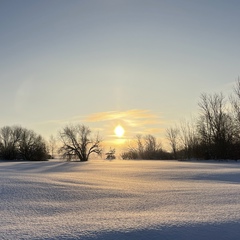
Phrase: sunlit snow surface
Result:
[119,200]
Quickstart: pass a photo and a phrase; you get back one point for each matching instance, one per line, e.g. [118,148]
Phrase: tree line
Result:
[18,143]
[145,147]
[214,134]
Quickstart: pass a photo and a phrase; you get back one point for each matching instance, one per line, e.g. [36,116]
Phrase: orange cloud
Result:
[134,117]
[134,121]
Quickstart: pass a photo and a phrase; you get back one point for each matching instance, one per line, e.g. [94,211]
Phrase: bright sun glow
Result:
[119,131]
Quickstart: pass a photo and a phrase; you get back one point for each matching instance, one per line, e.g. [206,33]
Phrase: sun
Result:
[119,131]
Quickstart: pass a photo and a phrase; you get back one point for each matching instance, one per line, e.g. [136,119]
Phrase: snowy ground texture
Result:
[119,200]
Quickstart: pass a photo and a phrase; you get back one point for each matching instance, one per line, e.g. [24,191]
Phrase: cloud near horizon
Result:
[132,117]
[135,120]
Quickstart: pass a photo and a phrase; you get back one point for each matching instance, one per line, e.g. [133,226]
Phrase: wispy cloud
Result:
[135,121]
[132,117]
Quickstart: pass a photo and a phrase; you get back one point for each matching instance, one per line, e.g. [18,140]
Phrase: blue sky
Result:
[142,64]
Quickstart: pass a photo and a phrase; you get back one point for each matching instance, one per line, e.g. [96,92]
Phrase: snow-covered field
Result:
[119,200]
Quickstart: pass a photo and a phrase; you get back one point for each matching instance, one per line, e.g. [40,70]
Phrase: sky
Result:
[139,63]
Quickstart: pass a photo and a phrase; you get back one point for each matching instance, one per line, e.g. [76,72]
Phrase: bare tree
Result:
[235,100]
[9,141]
[215,125]
[172,136]
[151,147]
[140,146]
[77,142]
[32,146]
[144,147]
[20,143]
[188,138]
[52,144]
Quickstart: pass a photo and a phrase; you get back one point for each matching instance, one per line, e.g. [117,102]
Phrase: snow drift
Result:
[119,200]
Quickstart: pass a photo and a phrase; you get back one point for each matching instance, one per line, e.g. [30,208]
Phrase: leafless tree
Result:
[20,143]
[143,147]
[9,141]
[236,103]
[235,100]
[32,146]
[52,144]
[77,142]
[188,138]
[172,135]
[215,125]
[140,146]
[151,147]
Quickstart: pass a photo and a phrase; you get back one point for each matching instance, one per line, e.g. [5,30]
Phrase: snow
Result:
[119,199]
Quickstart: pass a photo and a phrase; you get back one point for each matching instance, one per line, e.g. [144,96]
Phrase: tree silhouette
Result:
[172,136]
[52,144]
[20,143]
[215,126]
[77,142]
[111,154]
